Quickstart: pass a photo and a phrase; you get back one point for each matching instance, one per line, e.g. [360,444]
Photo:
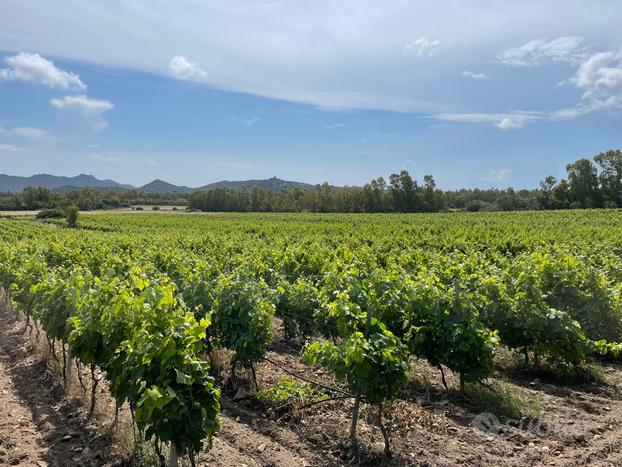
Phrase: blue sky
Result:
[477,93]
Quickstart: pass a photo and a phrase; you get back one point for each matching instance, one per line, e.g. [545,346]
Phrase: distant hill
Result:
[271,184]
[160,186]
[15,184]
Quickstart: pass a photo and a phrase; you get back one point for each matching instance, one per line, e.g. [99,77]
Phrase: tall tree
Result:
[546,191]
[610,177]
[583,182]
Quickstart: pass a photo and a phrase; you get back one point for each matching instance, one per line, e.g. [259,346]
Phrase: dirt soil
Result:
[39,424]
[579,425]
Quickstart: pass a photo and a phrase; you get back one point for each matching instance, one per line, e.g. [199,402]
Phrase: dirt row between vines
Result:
[41,425]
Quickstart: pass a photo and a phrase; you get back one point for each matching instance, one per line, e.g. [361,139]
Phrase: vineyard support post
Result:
[172,456]
[387,445]
[357,402]
[79,373]
[456,309]
[94,382]
[64,364]
[254,373]
[68,367]
[440,367]
[50,347]
[27,324]
[54,349]
[116,413]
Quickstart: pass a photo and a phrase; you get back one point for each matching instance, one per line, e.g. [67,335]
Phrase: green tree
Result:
[584,190]
[72,217]
[561,195]
[547,187]
[610,176]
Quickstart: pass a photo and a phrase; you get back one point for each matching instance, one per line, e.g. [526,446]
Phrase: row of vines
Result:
[145,300]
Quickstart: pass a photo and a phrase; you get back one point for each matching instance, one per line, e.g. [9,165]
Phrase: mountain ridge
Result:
[273,184]
[161,186]
[16,184]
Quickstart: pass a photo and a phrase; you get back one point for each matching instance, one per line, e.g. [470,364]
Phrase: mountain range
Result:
[15,184]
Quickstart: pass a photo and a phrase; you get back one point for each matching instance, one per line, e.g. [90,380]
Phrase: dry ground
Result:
[41,425]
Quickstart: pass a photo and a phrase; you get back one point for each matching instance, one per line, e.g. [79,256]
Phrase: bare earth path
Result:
[41,426]
[38,425]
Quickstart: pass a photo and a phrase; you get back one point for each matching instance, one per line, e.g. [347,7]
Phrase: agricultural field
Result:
[312,339]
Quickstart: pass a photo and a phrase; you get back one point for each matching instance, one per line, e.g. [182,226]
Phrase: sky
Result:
[477,93]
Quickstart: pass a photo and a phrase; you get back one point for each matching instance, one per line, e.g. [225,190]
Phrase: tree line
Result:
[86,199]
[589,183]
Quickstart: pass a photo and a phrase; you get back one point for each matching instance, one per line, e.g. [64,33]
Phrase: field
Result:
[443,339]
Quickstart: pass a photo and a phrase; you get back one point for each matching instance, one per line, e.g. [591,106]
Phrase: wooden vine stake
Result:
[357,401]
[68,367]
[456,309]
[94,382]
[172,456]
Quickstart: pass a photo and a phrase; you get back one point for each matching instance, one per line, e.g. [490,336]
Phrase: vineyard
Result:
[392,327]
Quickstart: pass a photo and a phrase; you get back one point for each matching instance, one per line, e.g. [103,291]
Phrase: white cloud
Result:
[569,113]
[331,55]
[24,133]
[497,176]
[470,74]
[33,68]
[598,76]
[503,121]
[424,47]
[182,68]
[538,52]
[30,133]
[82,111]
[247,121]
[11,148]
[600,79]
[335,125]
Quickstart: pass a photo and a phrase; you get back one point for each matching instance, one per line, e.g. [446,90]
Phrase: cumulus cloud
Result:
[498,175]
[182,68]
[330,55]
[503,121]
[598,76]
[600,79]
[33,68]
[424,47]
[470,74]
[81,111]
[538,52]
